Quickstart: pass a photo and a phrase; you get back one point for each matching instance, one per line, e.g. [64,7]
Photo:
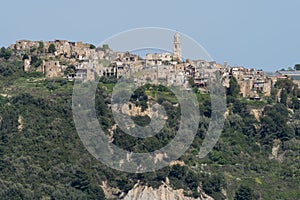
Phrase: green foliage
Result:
[274,124]
[2,51]
[41,47]
[240,107]
[36,61]
[212,185]
[92,46]
[297,67]
[191,81]
[283,97]
[105,79]
[141,120]
[295,103]
[287,84]
[51,48]
[140,98]
[244,193]
[217,157]
[46,158]
[51,86]
[71,69]
[5,53]
[273,97]
[105,46]
[11,69]
[234,88]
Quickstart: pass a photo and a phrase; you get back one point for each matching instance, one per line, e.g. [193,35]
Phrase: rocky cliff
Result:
[164,192]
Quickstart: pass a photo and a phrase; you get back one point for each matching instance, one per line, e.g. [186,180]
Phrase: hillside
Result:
[42,157]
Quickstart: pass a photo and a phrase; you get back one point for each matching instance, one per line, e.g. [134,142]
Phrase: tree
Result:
[240,107]
[295,103]
[81,181]
[297,67]
[5,53]
[244,193]
[283,97]
[192,82]
[70,70]
[212,185]
[51,48]
[234,88]
[105,46]
[178,171]
[36,61]
[2,51]
[92,46]
[286,84]
[41,47]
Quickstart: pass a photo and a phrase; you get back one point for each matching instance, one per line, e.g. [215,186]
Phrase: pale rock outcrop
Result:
[132,110]
[20,122]
[110,192]
[5,95]
[164,192]
[275,151]
[257,113]
[177,162]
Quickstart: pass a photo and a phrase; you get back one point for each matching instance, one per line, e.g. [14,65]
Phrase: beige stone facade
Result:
[177,48]
[51,69]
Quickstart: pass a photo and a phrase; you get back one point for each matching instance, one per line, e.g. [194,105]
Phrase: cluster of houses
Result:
[86,60]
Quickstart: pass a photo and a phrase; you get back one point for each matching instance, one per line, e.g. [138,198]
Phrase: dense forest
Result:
[42,157]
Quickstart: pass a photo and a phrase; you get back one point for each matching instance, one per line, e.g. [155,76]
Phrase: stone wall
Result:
[51,69]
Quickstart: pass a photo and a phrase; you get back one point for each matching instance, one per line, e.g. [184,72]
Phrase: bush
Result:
[5,53]
[244,193]
[92,46]
[51,48]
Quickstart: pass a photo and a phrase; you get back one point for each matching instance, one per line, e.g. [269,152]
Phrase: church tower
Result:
[177,48]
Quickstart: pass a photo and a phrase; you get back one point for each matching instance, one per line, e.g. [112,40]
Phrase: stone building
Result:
[24,45]
[158,59]
[177,48]
[51,69]
[85,74]
[251,81]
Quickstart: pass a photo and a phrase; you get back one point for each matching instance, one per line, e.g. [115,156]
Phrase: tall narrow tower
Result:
[177,48]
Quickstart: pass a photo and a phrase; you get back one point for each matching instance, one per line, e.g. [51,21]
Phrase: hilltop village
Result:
[78,60]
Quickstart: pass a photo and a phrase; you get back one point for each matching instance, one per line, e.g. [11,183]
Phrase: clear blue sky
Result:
[257,33]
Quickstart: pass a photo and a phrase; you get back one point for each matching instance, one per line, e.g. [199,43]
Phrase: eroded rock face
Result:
[164,192]
[20,121]
[257,113]
[110,192]
[275,151]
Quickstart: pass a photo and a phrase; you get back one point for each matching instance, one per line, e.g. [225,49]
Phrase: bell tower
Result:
[177,48]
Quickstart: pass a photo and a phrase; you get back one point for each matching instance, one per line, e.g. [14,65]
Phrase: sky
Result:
[262,34]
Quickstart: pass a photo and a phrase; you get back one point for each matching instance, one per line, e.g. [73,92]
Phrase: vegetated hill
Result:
[42,157]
